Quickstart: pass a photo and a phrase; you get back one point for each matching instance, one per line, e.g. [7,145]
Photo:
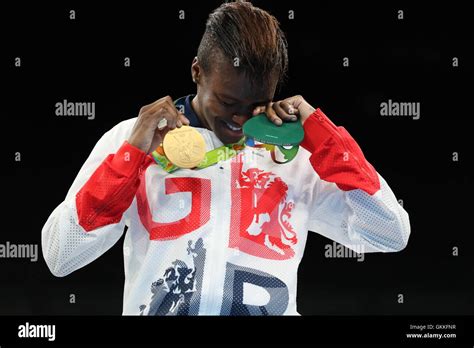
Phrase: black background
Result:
[407,60]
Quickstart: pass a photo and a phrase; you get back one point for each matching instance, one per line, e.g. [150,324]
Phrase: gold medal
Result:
[184,147]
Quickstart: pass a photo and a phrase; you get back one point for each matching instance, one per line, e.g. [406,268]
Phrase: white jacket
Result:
[227,239]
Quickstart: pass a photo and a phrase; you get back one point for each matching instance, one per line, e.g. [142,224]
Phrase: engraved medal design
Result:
[184,147]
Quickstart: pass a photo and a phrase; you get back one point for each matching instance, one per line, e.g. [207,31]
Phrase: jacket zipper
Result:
[218,247]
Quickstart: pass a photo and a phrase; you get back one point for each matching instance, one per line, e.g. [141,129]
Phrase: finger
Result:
[180,118]
[165,111]
[172,114]
[272,116]
[289,108]
[159,104]
[156,116]
[282,113]
[184,120]
[171,118]
[156,104]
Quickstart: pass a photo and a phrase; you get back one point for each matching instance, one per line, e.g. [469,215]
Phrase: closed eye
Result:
[225,101]
[227,104]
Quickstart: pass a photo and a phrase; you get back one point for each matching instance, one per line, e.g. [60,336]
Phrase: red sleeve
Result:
[336,157]
[110,190]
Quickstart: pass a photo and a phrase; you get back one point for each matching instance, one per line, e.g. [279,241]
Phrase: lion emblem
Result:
[264,214]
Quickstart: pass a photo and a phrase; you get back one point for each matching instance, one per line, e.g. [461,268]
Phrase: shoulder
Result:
[116,135]
[122,130]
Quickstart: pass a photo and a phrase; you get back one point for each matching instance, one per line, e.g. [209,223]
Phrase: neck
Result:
[197,111]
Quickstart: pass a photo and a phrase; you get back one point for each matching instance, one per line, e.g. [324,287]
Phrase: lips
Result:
[232,131]
[233,126]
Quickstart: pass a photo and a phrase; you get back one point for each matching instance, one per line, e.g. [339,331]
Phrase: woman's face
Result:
[226,98]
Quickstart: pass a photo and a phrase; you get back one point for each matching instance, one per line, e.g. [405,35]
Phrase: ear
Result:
[196,70]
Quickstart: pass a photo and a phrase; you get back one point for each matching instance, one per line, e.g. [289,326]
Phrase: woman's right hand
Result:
[145,133]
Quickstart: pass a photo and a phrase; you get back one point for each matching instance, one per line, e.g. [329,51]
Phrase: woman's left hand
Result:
[287,110]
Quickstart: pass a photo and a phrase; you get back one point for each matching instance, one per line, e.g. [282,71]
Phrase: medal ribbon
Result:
[224,153]
[212,157]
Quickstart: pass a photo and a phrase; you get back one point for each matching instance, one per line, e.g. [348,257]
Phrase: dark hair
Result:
[240,30]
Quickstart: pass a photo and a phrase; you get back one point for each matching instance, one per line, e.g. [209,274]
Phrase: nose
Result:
[240,119]
[243,116]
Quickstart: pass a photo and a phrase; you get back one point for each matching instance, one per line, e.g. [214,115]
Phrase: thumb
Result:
[258,110]
[184,120]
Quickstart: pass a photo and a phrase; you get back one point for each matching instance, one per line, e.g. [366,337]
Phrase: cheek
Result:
[212,108]
[215,109]
[212,112]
